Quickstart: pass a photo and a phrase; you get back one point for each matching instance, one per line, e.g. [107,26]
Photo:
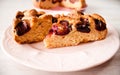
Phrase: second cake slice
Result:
[74,29]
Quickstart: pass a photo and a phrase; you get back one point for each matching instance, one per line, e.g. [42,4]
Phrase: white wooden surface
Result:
[109,9]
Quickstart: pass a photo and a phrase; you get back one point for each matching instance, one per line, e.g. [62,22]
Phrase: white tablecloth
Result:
[109,9]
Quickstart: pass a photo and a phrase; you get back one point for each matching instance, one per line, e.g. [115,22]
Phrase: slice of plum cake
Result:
[75,28]
[31,26]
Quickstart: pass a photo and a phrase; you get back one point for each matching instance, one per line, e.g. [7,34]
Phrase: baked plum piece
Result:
[61,28]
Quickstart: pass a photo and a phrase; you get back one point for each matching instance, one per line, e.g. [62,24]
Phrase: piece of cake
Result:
[75,28]
[47,4]
[77,4]
[31,26]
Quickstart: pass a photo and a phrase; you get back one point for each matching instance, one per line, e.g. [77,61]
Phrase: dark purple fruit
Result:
[62,28]
[99,25]
[59,0]
[64,22]
[22,28]
[54,1]
[50,31]
[54,20]
[83,26]
[20,16]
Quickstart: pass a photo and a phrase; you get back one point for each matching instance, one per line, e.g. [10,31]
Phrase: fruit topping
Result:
[54,20]
[62,28]
[22,28]
[83,26]
[99,25]
[54,1]
[19,15]
[59,0]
